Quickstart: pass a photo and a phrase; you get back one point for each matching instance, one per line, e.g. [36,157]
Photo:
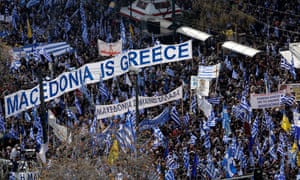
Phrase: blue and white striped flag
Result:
[268,123]
[93,127]
[193,139]
[70,3]
[214,100]
[171,163]
[193,106]
[169,175]
[255,126]
[46,55]
[2,123]
[244,104]
[228,63]
[84,90]
[123,34]
[15,18]
[284,64]
[31,134]
[39,136]
[186,159]
[175,115]
[209,72]
[186,119]
[292,69]
[211,121]
[287,100]
[207,143]
[272,152]
[31,3]
[77,104]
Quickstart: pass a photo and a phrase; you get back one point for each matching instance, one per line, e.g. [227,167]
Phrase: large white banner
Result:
[104,111]
[261,101]
[209,72]
[91,73]
[109,49]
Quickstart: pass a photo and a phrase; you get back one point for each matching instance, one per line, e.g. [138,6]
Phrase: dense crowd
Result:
[198,146]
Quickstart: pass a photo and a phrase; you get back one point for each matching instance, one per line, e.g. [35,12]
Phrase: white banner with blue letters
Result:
[90,73]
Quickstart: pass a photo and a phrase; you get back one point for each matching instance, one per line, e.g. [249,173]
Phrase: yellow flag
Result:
[131,30]
[285,123]
[294,148]
[298,159]
[29,32]
[113,153]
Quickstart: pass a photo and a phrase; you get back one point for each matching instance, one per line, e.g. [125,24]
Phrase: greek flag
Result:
[193,139]
[255,126]
[31,3]
[287,100]
[123,33]
[284,64]
[46,55]
[56,49]
[27,117]
[211,170]
[292,69]
[84,90]
[15,17]
[131,123]
[196,163]
[70,3]
[227,163]
[158,134]
[186,119]
[211,121]
[93,128]
[39,136]
[209,72]
[169,175]
[214,100]
[244,104]
[207,144]
[193,106]
[268,123]
[186,159]
[175,115]
[2,123]
[171,163]
[77,104]
[228,63]
[31,134]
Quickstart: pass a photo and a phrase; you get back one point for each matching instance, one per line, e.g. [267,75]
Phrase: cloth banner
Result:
[25,175]
[109,49]
[209,72]
[204,105]
[203,87]
[94,72]
[156,121]
[61,132]
[104,111]
[270,100]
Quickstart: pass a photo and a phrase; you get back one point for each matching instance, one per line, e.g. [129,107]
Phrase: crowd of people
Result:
[197,146]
